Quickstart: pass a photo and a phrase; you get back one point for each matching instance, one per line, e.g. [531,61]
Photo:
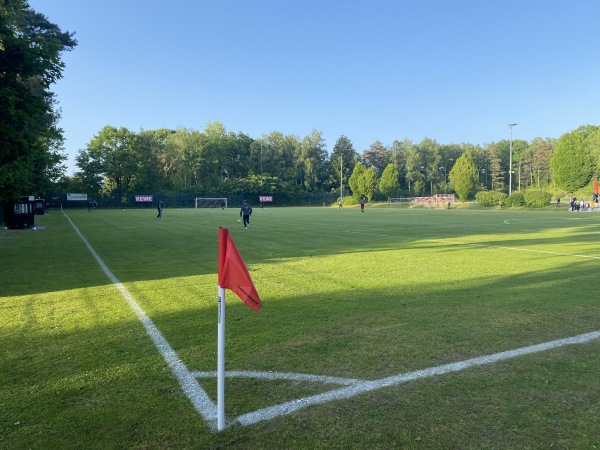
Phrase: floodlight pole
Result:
[341,178]
[510,161]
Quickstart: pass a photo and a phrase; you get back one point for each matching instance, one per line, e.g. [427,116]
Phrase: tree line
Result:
[118,162]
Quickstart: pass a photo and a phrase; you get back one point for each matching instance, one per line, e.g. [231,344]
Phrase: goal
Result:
[206,202]
[400,201]
[437,201]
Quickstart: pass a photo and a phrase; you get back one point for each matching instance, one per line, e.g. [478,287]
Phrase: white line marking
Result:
[367,386]
[281,376]
[574,255]
[199,398]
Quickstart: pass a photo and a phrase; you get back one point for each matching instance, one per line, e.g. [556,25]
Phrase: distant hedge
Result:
[515,199]
[490,198]
[537,199]
[531,199]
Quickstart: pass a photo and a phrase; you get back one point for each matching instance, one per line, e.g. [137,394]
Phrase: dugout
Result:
[39,207]
[19,213]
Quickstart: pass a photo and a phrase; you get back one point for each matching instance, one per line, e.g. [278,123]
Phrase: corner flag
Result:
[233,273]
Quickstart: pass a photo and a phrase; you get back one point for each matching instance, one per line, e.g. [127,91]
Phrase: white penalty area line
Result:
[368,386]
[503,247]
[199,398]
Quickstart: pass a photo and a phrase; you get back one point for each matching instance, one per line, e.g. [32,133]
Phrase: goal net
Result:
[206,202]
[400,201]
[437,201]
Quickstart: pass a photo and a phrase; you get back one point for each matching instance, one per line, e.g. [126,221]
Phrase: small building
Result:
[19,213]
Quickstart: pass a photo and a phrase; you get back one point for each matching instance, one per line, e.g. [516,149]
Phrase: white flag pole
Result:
[221,362]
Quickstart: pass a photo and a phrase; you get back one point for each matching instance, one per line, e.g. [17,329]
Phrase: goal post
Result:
[210,202]
[436,201]
[400,201]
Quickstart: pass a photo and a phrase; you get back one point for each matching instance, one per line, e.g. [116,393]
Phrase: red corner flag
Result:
[233,273]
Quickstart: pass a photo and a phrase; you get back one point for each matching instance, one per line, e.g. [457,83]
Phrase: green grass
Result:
[344,294]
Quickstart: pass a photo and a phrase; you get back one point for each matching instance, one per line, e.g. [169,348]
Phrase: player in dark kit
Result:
[159,209]
[245,212]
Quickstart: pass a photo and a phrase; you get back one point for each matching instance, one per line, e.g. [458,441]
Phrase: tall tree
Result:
[312,161]
[279,154]
[354,180]
[184,156]
[89,178]
[150,148]
[367,183]
[480,160]
[572,162]
[399,151]
[113,153]
[495,167]
[377,157]
[415,171]
[463,176]
[448,156]
[389,184]
[431,157]
[593,143]
[342,159]
[30,62]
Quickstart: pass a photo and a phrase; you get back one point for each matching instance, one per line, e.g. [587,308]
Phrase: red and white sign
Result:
[265,198]
[144,198]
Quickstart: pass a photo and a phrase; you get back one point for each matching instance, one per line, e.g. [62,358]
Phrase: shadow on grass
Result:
[137,247]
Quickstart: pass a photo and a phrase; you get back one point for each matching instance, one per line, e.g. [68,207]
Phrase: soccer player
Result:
[159,208]
[245,212]
[362,205]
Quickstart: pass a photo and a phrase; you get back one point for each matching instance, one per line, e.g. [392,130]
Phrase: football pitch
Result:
[396,328]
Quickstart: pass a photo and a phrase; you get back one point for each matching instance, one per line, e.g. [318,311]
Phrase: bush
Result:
[490,198]
[516,199]
[348,201]
[537,199]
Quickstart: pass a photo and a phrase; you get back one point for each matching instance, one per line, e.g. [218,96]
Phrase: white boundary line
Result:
[517,249]
[198,396]
[504,247]
[207,409]
[367,386]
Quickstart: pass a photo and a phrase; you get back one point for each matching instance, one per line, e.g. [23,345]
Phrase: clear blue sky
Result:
[454,71]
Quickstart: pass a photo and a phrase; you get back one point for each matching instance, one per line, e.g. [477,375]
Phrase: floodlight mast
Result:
[510,161]
[341,174]
[341,178]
